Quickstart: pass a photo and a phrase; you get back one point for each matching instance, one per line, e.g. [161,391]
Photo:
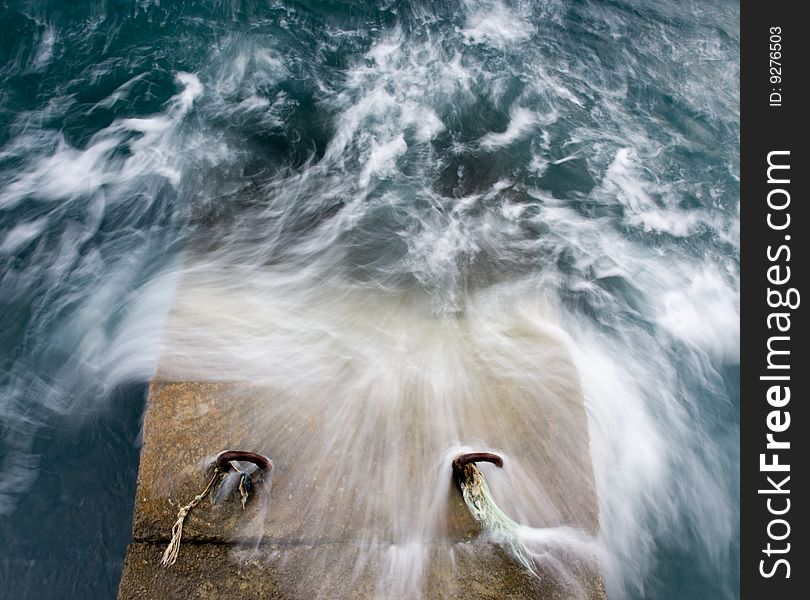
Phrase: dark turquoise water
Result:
[588,147]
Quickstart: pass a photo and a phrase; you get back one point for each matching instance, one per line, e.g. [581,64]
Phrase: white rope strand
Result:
[170,555]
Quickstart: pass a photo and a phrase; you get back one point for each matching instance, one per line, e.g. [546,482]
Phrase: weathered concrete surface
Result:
[184,426]
[187,424]
[215,571]
[362,485]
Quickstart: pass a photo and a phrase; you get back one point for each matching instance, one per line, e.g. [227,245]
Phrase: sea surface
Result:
[480,156]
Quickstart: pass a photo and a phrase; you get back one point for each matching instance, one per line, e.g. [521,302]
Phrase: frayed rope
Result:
[170,555]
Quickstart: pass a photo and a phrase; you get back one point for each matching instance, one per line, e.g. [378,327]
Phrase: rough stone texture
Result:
[214,571]
[188,423]
[185,428]
[358,489]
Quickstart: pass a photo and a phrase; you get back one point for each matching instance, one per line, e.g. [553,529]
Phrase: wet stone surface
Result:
[184,430]
[215,571]
[275,549]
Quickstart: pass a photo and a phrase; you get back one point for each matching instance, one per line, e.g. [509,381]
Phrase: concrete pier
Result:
[321,526]
[221,555]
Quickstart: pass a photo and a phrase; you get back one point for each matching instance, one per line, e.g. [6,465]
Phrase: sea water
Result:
[415,192]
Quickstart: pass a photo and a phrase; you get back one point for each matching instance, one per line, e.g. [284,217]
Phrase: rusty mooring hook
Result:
[475,491]
[461,473]
[223,463]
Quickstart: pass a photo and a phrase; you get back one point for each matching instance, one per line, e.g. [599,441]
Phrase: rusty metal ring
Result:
[462,460]
[474,457]
[223,461]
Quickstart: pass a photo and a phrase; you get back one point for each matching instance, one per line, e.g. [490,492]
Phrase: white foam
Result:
[705,313]
[493,23]
[382,161]
[625,181]
[22,234]
[521,122]
[69,172]
[45,49]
